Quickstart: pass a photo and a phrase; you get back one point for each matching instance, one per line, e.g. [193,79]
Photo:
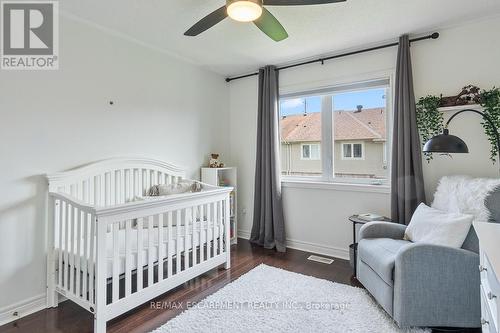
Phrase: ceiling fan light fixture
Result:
[244,10]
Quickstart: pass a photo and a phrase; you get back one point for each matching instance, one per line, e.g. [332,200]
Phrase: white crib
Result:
[110,254]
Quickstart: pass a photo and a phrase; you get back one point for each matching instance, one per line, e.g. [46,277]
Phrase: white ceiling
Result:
[232,48]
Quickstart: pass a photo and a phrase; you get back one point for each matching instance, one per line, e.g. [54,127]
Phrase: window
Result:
[337,133]
[353,151]
[311,151]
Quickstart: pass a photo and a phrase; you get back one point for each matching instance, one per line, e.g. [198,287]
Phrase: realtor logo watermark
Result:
[29,35]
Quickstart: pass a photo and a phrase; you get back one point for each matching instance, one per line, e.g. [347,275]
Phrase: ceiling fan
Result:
[252,11]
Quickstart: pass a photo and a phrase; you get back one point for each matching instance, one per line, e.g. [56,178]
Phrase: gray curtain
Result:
[407,190]
[268,223]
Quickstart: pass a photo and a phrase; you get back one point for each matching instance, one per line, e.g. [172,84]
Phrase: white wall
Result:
[316,219]
[51,121]
[461,56]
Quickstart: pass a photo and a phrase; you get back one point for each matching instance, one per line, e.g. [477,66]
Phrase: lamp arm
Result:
[486,117]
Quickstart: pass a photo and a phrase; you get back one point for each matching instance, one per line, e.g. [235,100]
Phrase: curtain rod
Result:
[434,35]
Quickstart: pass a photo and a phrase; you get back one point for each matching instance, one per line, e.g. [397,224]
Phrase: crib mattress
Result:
[168,249]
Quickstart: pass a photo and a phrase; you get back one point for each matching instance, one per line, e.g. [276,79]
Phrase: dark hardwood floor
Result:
[69,317]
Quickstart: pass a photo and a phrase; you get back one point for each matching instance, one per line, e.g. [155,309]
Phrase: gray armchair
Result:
[419,284]
[422,284]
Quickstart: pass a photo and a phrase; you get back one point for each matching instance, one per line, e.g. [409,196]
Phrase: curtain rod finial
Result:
[435,35]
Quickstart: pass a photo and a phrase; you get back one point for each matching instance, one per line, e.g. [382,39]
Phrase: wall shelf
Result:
[461,107]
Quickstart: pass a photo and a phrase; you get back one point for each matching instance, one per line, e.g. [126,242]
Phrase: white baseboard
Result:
[244,234]
[316,248]
[23,308]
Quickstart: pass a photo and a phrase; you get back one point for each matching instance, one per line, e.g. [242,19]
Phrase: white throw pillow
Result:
[433,226]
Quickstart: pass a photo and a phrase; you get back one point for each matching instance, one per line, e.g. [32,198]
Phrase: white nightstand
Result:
[489,248]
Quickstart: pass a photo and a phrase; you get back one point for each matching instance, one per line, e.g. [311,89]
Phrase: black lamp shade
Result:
[445,143]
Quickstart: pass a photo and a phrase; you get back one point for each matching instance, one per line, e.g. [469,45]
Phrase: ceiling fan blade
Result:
[298,2]
[207,22]
[269,25]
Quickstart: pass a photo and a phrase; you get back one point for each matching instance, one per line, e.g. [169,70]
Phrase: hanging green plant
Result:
[490,101]
[429,120]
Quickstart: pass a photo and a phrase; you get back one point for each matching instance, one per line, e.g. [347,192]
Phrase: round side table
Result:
[354,219]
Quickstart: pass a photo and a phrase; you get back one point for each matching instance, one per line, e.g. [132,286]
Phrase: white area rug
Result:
[269,299]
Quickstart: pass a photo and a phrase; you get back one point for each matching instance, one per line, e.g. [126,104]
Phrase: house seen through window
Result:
[353,121]
[352,150]
[311,151]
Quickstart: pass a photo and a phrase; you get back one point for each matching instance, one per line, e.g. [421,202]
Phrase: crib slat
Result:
[219,222]
[120,189]
[150,251]
[140,247]
[112,188]
[146,181]
[216,230]
[198,232]
[210,232]
[161,245]
[91,260]
[106,189]
[140,186]
[123,187]
[130,182]
[71,259]
[78,252]
[85,222]
[85,190]
[202,238]
[66,244]
[60,215]
[177,242]
[196,213]
[103,190]
[91,191]
[169,245]
[188,215]
[97,190]
[133,182]
[116,263]
[100,190]
[154,178]
[128,254]
[79,190]
[227,231]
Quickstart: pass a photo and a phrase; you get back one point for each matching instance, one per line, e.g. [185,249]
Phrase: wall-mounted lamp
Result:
[447,143]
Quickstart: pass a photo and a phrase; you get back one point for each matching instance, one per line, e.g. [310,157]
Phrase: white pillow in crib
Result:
[433,226]
[181,187]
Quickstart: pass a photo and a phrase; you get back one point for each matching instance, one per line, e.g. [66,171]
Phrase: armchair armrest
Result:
[378,229]
[432,280]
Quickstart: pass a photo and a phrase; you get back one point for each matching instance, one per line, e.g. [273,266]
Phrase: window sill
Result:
[336,186]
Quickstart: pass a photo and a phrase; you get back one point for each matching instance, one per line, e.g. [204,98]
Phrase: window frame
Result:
[310,158]
[352,158]
[383,79]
